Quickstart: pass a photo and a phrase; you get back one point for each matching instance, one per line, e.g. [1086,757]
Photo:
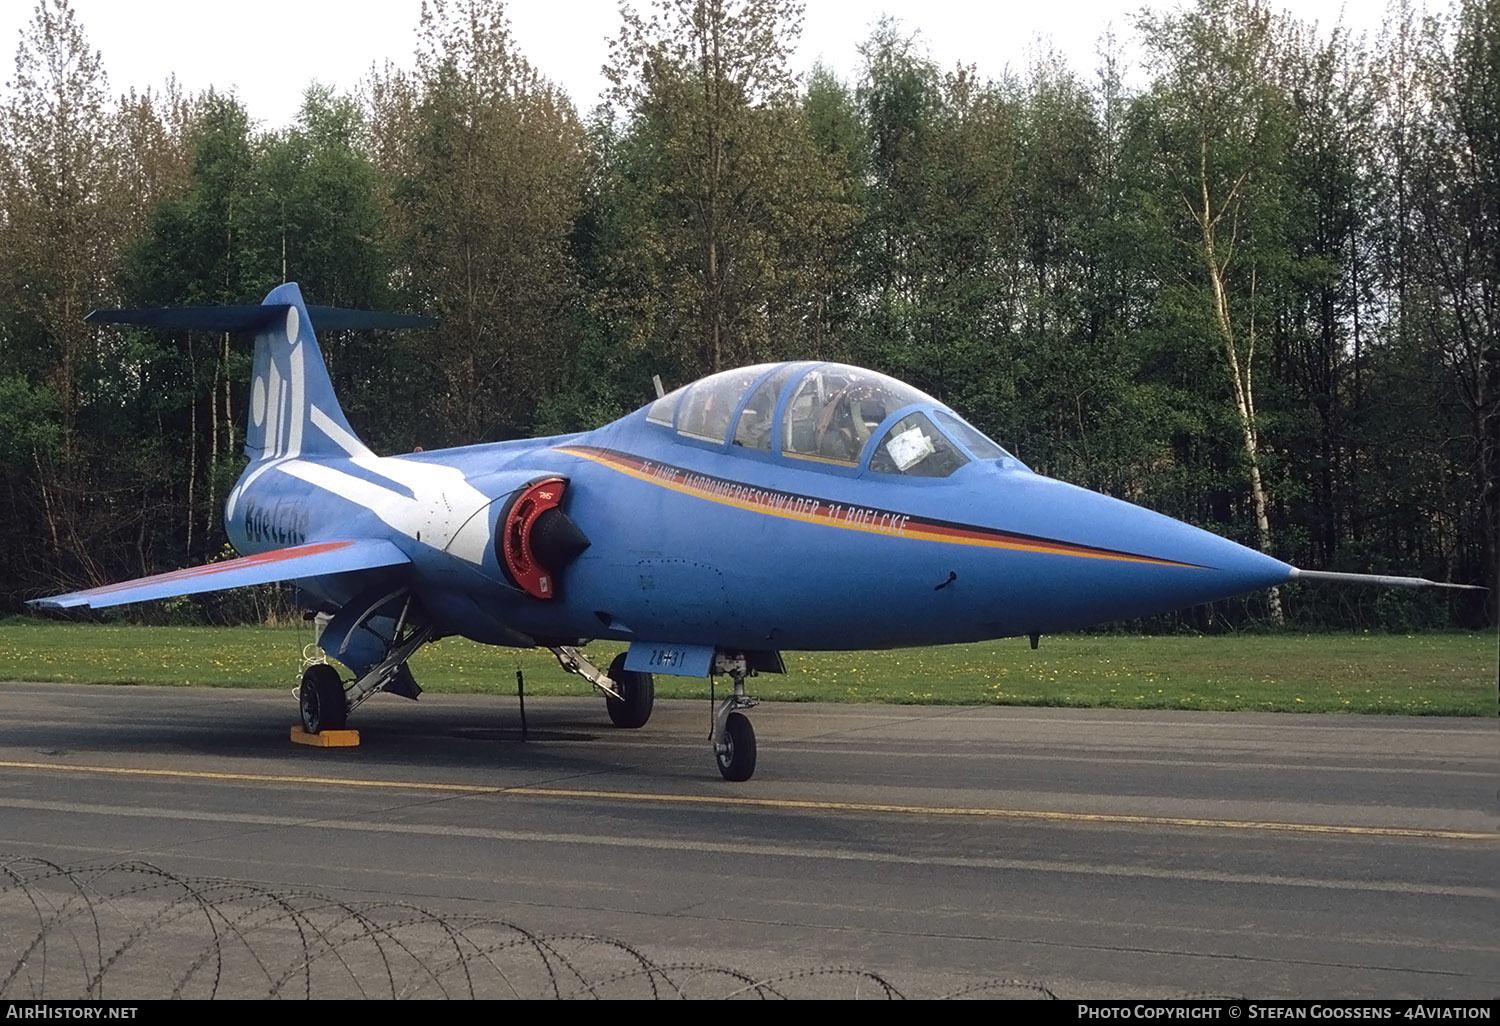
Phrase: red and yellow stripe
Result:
[826,513]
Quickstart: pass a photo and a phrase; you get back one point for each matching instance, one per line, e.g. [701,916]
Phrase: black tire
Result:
[638,690]
[321,698]
[737,760]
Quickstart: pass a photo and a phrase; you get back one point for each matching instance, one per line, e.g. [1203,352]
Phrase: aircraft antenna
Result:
[1382,579]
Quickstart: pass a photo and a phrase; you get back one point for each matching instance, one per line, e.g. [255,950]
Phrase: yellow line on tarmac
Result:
[1061,817]
[787,803]
[260,778]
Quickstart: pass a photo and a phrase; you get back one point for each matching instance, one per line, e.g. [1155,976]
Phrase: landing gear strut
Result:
[733,738]
[629,695]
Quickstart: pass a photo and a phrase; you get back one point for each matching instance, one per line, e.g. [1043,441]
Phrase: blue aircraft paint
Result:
[674,660]
[314,561]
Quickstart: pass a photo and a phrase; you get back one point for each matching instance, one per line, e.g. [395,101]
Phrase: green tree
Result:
[1440,364]
[1323,320]
[937,261]
[725,220]
[1470,258]
[486,163]
[316,217]
[60,224]
[1220,116]
[831,115]
[194,251]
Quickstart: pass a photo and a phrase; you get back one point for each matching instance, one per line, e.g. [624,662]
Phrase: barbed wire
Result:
[132,930]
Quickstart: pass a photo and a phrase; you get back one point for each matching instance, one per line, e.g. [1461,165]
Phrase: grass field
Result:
[1435,674]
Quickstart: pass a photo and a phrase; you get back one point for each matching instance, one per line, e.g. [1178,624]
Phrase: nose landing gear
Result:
[733,738]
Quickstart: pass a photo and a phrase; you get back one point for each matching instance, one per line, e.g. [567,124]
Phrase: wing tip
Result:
[309,560]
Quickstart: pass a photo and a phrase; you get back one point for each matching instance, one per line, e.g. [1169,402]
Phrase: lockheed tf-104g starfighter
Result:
[771,508]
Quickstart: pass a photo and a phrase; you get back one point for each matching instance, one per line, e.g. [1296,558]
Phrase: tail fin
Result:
[293,411]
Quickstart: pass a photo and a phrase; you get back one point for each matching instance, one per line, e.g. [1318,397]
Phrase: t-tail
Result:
[293,410]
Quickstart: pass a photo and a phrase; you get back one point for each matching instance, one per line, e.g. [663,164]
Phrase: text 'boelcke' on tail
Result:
[293,410]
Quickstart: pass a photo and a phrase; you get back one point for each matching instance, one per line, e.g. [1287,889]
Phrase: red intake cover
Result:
[515,535]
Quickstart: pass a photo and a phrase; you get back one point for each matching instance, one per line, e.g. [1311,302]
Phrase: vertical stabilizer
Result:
[293,411]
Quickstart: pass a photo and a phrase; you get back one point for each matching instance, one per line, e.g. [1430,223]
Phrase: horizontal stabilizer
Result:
[1381,579]
[314,560]
[333,318]
[250,319]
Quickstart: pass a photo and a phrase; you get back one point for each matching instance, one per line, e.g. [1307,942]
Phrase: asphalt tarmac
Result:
[879,850]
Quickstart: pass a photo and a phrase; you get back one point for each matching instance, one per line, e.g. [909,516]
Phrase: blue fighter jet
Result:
[771,508]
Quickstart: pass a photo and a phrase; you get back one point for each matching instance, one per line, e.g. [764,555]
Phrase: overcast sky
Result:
[267,51]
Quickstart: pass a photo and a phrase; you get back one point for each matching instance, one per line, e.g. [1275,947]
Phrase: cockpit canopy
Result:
[826,413]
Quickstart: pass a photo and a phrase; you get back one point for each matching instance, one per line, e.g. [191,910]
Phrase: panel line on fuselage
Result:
[827,513]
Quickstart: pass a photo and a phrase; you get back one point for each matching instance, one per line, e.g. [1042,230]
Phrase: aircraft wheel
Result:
[639,690]
[321,698]
[737,756]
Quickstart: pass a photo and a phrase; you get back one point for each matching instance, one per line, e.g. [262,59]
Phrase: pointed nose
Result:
[1133,562]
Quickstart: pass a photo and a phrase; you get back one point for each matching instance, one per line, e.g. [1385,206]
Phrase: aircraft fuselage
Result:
[747,549]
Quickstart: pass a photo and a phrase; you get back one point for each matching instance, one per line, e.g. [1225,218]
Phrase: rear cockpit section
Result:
[710,405]
[756,428]
[834,410]
[825,413]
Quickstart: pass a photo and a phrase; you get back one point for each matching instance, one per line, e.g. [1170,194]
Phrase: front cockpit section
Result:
[827,414]
[913,446]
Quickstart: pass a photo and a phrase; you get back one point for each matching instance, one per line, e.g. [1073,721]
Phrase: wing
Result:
[314,560]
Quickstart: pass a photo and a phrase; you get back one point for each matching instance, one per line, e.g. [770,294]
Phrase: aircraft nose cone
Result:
[1229,568]
[1133,562]
[1242,568]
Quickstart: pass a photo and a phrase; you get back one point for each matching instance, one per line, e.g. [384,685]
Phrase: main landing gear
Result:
[637,695]
[629,695]
[323,700]
[733,738]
